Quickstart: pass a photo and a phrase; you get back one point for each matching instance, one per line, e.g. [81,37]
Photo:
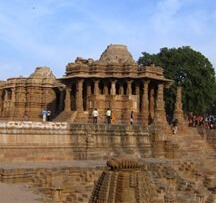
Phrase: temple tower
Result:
[117,82]
[124,182]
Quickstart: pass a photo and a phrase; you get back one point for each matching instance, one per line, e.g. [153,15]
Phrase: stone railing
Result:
[36,125]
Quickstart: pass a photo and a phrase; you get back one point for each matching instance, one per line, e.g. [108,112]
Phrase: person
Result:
[48,115]
[44,114]
[95,115]
[132,118]
[174,126]
[108,115]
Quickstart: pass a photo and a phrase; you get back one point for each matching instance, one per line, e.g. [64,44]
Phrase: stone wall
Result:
[65,184]
[24,98]
[38,141]
[161,179]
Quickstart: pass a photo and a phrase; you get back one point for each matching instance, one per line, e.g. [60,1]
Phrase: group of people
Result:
[110,117]
[46,114]
[206,121]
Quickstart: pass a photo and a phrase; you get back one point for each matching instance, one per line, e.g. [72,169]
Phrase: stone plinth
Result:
[38,141]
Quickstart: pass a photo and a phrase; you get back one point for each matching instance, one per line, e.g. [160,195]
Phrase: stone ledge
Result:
[31,124]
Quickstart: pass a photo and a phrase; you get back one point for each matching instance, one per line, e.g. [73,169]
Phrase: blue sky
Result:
[54,32]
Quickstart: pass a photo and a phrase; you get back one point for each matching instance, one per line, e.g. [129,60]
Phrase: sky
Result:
[36,33]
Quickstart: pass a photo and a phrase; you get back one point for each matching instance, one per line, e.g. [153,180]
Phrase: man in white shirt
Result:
[108,115]
[95,115]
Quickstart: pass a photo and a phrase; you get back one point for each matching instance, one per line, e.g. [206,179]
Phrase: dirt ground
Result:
[17,193]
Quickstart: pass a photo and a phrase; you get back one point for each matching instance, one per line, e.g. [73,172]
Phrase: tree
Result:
[190,69]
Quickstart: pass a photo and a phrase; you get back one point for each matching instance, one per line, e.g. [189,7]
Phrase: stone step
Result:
[65,116]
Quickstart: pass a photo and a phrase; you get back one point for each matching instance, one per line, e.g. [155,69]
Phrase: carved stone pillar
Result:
[89,92]
[160,115]
[96,87]
[68,99]
[121,90]
[106,90]
[137,93]
[9,103]
[129,88]
[113,87]
[145,102]
[178,113]
[87,98]
[79,96]
[12,103]
[6,98]
[61,99]
[137,90]
[13,95]
[152,102]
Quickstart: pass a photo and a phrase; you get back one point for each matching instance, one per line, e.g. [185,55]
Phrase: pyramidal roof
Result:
[115,53]
[42,72]
[124,183]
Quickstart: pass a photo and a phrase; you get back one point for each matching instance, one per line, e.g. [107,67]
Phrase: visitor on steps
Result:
[44,114]
[95,115]
[48,115]
[132,118]
[108,115]
[174,126]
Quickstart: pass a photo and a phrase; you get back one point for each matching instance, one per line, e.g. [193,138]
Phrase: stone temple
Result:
[71,160]
[114,81]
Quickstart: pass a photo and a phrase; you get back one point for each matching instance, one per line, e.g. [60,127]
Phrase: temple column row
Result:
[113,88]
[150,106]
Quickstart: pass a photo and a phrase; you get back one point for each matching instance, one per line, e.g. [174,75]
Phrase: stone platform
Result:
[52,141]
[62,161]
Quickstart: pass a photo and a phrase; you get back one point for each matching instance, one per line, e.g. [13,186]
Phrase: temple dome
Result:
[42,72]
[117,54]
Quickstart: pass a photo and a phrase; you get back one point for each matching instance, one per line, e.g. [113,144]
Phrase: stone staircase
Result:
[83,117]
[191,146]
[86,117]
[66,116]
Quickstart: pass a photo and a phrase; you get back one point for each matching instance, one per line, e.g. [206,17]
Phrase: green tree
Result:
[192,70]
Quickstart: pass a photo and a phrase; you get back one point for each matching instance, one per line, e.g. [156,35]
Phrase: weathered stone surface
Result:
[114,81]
[23,99]
[156,167]
[72,141]
[123,184]
[117,54]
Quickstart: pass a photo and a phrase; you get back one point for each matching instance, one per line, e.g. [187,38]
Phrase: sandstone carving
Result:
[63,158]
[114,81]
